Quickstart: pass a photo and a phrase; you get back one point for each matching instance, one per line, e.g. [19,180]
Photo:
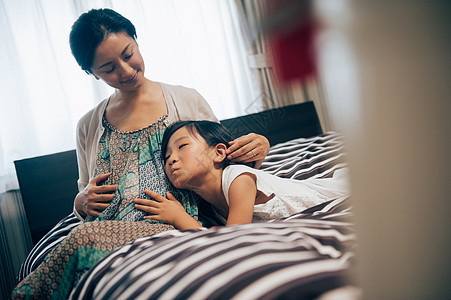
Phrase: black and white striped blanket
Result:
[300,257]
[316,239]
[46,245]
[316,157]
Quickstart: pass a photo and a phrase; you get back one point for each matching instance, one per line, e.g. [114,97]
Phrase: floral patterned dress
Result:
[134,160]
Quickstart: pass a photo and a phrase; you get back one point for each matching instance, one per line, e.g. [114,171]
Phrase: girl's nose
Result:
[171,159]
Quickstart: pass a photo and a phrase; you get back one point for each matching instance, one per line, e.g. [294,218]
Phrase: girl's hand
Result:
[248,148]
[95,197]
[167,210]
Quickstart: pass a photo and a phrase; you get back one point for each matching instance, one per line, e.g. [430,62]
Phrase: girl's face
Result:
[188,159]
[118,62]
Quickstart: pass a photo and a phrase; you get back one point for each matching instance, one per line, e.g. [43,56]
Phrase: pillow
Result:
[302,158]
[46,245]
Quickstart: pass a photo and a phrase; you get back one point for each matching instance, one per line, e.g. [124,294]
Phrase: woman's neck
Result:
[137,110]
[145,91]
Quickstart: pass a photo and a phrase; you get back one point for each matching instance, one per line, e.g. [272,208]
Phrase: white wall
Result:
[386,66]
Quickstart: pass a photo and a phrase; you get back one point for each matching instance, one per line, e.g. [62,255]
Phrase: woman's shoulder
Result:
[95,114]
[177,92]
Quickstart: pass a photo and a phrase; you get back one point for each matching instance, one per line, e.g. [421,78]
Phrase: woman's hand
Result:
[248,148]
[167,210]
[95,197]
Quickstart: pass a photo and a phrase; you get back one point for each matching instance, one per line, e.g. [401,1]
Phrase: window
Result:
[195,43]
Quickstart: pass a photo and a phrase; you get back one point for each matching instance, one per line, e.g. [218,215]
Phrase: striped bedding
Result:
[301,257]
[316,157]
[46,245]
[307,234]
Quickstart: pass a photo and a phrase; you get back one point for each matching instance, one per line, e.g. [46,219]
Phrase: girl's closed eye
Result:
[182,145]
[110,70]
[128,56]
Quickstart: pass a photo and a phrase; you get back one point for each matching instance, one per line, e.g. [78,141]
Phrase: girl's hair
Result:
[213,133]
[90,30]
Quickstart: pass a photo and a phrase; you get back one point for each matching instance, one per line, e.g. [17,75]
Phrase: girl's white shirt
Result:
[290,196]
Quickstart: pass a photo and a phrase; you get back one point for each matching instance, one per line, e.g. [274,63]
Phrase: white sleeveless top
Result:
[290,195]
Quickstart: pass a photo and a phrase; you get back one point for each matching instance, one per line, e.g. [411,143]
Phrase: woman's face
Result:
[118,62]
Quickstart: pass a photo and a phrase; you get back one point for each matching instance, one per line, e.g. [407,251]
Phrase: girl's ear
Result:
[220,153]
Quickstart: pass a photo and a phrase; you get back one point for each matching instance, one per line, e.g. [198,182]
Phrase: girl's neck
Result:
[209,188]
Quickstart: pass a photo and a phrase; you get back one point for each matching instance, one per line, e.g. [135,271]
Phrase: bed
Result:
[305,256]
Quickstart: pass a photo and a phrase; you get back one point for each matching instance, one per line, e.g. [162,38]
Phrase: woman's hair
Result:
[213,133]
[90,30]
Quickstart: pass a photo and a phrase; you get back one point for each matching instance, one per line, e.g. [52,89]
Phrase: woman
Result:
[103,43]
[118,150]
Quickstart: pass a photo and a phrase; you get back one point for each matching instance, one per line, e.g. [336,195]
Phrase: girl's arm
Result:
[242,193]
[167,210]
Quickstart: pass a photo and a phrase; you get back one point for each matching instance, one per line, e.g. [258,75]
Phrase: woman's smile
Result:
[132,79]
[118,62]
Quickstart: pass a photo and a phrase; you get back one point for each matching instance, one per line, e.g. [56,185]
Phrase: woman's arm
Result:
[93,196]
[249,148]
[167,210]
[242,193]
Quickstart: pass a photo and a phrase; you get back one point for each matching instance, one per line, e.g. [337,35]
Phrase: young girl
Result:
[195,159]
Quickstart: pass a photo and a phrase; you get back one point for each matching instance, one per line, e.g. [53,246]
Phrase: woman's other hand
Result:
[168,210]
[248,148]
[95,197]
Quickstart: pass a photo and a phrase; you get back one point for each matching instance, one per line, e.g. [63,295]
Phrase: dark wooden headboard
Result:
[48,184]
[279,124]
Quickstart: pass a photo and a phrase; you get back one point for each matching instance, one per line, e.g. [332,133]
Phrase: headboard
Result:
[279,124]
[48,184]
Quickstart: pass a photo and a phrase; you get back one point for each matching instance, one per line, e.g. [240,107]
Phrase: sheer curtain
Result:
[195,43]
[253,14]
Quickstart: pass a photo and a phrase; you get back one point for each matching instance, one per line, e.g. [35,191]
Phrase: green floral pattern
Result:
[134,160]
[135,163]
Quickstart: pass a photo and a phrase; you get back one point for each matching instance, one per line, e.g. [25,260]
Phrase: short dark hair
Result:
[212,132]
[90,30]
